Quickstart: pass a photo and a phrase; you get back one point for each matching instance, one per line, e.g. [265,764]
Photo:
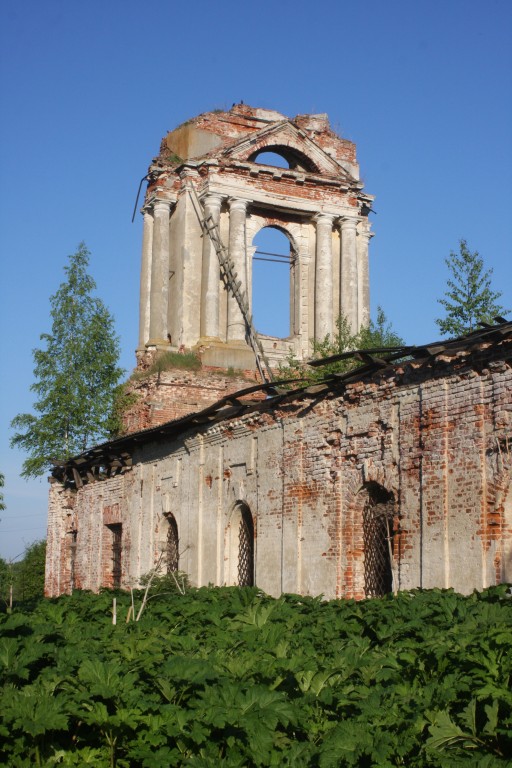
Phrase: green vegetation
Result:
[169,361]
[75,375]
[122,401]
[232,677]
[376,335]
[22,580]
[469,298]
[174,159]
[2,503]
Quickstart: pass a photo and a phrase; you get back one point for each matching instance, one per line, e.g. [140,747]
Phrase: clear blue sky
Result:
[89,88]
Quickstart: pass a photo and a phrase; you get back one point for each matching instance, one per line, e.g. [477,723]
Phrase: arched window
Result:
[272,158]
[283,156]
[172,550]
[245,549]
[378,517]
[273,283]
[240,547]
[117,552]
[72,559]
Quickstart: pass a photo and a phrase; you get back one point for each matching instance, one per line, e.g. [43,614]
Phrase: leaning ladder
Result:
[227,270]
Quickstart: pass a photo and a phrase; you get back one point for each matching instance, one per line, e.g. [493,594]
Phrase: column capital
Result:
[213,200]
[348,222]
[189,173]
[366,233]
[323,218]
[162,206]
[237,204]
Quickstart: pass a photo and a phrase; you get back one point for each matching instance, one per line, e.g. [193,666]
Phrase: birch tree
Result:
[76,372]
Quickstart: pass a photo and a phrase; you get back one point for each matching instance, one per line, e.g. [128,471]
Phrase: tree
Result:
[373,336]
[23,579]
[76,374]
[29,572]
[469,298]
[378,334]
[2,503]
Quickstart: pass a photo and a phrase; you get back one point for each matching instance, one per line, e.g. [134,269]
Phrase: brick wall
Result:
[173,394]
[435,438]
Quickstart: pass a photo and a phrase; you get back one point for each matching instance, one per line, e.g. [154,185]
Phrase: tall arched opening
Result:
[378,516]
[240,547]
[172,553]
[273,283]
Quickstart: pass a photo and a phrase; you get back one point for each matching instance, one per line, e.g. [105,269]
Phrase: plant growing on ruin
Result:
[376,335]
[76,373]
[469,298]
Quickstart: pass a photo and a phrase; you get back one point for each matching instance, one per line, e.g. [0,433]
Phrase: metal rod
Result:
[271,253]
[275,261]
[137,198]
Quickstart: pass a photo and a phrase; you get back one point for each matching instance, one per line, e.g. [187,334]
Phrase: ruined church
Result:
[391,476]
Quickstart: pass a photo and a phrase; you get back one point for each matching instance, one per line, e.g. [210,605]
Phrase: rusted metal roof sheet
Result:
[115,456]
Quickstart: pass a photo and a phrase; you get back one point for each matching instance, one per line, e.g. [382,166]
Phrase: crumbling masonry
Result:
[393,476]
[317,202]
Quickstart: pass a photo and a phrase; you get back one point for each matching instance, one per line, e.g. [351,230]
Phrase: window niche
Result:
[240,547]
[378,531]
[172,552]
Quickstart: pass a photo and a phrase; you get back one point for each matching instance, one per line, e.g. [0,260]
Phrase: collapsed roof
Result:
[475,348]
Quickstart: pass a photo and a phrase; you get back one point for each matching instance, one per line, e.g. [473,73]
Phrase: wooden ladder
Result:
[227,270]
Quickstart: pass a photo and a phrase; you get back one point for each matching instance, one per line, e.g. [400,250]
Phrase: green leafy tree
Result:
[28,580]
[76,374]
[469,298]
[5,580]
[376,335]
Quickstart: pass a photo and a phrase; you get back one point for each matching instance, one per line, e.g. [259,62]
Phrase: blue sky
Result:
[89,89]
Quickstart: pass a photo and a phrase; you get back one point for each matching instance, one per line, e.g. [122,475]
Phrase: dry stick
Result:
[128,615]
[133,602]
[154,573]
[114,610]
[180,587]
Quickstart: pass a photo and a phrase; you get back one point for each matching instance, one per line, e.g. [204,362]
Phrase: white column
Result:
[349,286]
[159,274]
[211,274]
[323,276]
[145,278]
[237,217]
[363,276]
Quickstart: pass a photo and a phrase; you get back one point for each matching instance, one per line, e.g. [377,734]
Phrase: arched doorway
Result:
[378,517]
[172,546]
[273,283]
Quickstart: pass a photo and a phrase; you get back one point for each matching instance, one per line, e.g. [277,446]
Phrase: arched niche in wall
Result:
[240,547]
[378,530]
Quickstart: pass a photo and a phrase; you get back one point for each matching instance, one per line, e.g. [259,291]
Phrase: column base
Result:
[233,354]
[157,344]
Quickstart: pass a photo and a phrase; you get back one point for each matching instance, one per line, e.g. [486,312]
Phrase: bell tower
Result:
[210,191]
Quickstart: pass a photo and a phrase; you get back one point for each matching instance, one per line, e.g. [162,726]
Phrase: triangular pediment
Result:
[282,135]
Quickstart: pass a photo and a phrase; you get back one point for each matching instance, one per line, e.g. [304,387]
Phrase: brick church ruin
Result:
[392,476]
